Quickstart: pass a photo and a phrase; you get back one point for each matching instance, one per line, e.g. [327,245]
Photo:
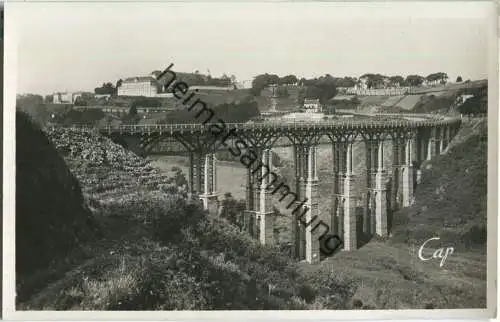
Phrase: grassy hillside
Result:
[451,199]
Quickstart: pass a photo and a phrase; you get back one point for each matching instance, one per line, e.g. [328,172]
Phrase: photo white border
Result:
[9,312]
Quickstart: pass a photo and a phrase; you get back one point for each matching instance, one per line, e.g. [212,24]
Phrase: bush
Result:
[51,216]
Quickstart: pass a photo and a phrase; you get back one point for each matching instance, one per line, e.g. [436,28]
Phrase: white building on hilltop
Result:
[312,106]
[139,86]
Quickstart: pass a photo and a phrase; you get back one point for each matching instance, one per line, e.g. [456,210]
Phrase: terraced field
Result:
[408,102]
[107,172]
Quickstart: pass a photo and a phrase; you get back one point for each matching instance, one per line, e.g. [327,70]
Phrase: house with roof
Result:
[312,105]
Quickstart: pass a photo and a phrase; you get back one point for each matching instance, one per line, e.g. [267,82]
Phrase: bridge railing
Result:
[284,125]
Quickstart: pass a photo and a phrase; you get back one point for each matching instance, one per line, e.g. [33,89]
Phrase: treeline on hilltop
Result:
[325,87]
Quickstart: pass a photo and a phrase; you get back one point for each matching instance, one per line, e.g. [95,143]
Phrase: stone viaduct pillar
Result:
[249,214]
[446,137]
[368,212]
[350,238]
[438,139]
[407,173]
[380,193]
[305,229]
[209,196]
[195,174]
[441,140]
[422,148]
[265,211]
[312,235]
[344,216]
[298,229]
[336,225]
[376,205]
[191,174]
[253,197]
[202,179]
[431,147]
[398,153]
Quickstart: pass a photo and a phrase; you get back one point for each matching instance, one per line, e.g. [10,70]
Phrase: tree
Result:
[282,92]
[287,80]
[373,80]
[225,80]
[397,80]
[133,110]
[459,79]
[80,101]
[414,80]
[118,84]
[232,210]
[132,117]
[105,89]
[323,88]
[345,82]
[261,81]
[441,77]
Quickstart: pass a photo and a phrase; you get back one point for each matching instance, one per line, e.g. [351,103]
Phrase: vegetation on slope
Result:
[451,199]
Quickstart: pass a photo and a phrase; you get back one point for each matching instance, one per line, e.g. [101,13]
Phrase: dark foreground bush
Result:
[51,217]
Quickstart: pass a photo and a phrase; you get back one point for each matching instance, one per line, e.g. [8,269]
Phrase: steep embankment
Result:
[51,215]
[159,252]
[451,199]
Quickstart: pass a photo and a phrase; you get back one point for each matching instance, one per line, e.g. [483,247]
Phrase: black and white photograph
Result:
[213,158]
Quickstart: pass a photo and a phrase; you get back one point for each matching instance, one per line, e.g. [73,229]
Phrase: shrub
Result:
[51,216]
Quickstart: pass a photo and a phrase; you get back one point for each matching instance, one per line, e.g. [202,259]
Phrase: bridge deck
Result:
[284,126]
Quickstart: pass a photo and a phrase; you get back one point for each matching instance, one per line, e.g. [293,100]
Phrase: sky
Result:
[78,46]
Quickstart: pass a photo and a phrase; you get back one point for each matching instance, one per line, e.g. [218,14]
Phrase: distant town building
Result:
[303,117]
[65,98]
[312,106]
[105,96]
[435,82]
[213,88]
[139,86]
[362,84]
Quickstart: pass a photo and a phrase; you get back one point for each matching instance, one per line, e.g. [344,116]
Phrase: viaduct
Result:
[413,142]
